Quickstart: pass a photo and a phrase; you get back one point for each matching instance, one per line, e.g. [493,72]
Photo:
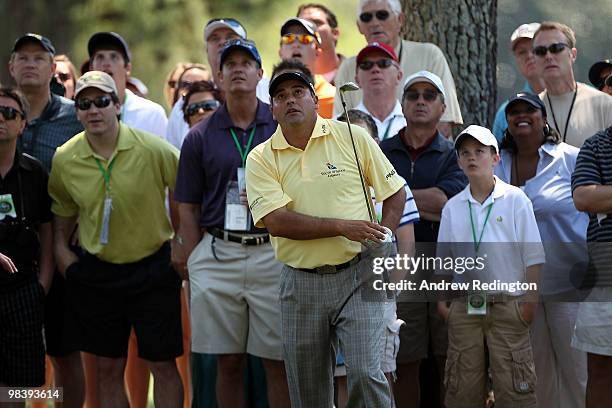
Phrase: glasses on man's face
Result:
[429,96]
[63,76]
[367,16]
[381,63]
[9,113]
[301,38]
[542,50]
[207,105]
[101,102]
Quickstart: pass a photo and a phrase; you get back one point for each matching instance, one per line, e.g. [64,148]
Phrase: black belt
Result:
[238,238]
[325,269]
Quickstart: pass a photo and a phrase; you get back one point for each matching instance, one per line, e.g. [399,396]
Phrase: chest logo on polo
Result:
[499,219]
[332,170]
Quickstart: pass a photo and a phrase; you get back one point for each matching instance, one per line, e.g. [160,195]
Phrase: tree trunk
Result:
[466,31]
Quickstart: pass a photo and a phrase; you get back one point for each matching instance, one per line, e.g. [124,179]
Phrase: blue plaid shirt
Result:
[56,124]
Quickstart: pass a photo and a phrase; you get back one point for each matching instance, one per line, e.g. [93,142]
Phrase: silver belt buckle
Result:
[243,240]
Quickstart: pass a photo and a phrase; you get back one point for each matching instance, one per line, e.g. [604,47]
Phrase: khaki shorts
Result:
[424,328]
[510,357]
[234,299]
[593,331]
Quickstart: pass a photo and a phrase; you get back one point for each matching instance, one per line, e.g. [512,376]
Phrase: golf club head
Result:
[349,86]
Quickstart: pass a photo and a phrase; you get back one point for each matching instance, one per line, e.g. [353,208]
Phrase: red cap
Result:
[376,46]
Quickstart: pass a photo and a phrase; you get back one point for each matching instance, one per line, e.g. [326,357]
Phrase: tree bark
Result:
[466,31]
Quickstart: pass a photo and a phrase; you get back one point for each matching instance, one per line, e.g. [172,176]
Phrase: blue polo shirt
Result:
[210,159]
[54,127]
[436,166]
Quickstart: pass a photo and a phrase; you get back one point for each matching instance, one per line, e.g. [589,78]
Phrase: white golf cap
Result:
[230,23]
[482,134]
[425,76]
[523,31]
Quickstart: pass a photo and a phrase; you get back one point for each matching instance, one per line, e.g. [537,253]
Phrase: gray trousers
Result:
[320,310]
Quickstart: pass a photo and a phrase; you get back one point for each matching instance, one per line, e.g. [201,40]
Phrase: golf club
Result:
[349,87]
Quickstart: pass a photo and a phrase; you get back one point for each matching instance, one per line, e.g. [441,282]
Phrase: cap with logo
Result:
[36,38]
[523,31]
[425,76]
[230,23]
[482,134]
[289,75]
[531,99]
[240,44]
[376,47]
[595,72]
[95,79]
[108,39]
[308,25]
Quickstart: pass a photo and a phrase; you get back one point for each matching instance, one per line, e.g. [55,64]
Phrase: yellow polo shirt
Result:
[322,181]
[325,93]
[144,165]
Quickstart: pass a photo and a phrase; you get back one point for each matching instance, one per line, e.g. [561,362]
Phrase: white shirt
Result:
[510,241]
[143,114]
[562,227]
[177,128]
[392,123]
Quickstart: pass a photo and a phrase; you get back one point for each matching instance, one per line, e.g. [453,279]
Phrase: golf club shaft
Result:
[366,196]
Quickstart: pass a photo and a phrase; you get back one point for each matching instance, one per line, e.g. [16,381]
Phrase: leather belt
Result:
[326,269]
[237,237]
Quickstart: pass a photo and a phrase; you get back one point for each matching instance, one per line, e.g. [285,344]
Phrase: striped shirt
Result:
[594,166]
[409,215]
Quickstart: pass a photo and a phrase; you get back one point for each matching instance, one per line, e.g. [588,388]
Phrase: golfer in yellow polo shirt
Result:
[303,185]
[113,179]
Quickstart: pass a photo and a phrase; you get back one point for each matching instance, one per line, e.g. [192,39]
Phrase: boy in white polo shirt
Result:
[492,221]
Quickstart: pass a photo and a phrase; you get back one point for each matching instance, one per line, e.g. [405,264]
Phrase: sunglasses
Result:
[555,48]
[100,102]
[10,113]
[429,96]
[206,105]
[381,63]
[301,38]
[381,15]
[63,77]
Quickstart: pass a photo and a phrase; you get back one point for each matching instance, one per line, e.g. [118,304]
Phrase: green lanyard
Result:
[388,128]
[243,153]
[477,243]
[106,173]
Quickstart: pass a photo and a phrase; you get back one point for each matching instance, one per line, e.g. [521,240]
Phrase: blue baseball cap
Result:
[240,44]
[531,99]
[36,38]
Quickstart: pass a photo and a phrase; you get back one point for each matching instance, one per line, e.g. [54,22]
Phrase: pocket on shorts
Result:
[523,371]
[517,308]
[451,372]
